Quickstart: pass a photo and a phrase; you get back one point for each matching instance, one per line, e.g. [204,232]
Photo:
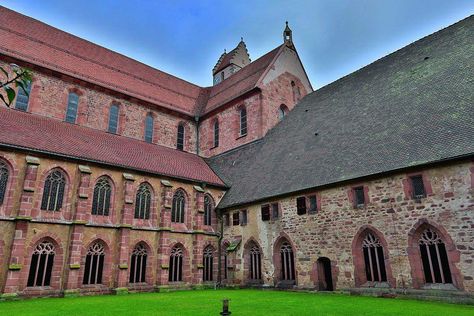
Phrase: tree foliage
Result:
[13,76]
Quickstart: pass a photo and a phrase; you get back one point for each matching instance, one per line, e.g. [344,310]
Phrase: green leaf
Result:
[5,72]
[10,93]
[5,101]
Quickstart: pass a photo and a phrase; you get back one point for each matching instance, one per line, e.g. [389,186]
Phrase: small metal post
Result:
[225,307]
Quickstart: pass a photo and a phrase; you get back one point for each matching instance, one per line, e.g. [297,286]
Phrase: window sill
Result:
[241,136]
[439,286]
[371,284]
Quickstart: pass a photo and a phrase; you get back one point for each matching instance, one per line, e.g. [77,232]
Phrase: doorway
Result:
[324,274]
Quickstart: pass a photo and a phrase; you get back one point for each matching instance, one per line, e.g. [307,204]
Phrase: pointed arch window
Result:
[72,104]
[94,265]
[143,202]
[208,264]
[177,209]
[287,262]
[53,192]
[23,98]
[434,258]
[208,209]
[101,199]
[41,266]
[138,264]
[176,265]
[282,111]
[243,121]
[149,128]
[113,118]
[374,259]
[216,133]
[4,174]
[180,140]
[255,263]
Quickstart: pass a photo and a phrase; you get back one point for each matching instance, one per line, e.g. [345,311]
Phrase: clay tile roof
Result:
[33,41]
[411,108]
[38,133]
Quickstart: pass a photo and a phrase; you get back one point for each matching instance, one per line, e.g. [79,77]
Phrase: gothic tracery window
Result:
[208,208]
[53,193]
[208,264]
[94,265]
[287,262]
[176,265]
[255,263]
[374,259]
[41,266]
[434,258]
[177,209]
[101,198]
[138,264]
[143,202]
[3,180]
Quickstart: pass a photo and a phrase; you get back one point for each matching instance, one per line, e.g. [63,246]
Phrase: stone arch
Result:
[174,208]
[149,259]
[108,261]
[186,268]
[285,272]
[109,178]
[153,216]
[360,276]
[65,210]
[414,254]
[253,265]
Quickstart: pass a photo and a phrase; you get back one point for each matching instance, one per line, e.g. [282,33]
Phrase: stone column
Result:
[198,208]
[17,253]
[166,202]
[29,187]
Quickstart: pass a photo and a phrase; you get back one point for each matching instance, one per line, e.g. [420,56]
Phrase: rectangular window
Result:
[226,220]
[71,112]
[180,140]
[418,188]
[243,217]
[313,204]
[113,118]
[216,134]
[359,198]
[301,205]
[22,98]
[149,128]
[275,211]
[265,212]
[235,219]
[243,122]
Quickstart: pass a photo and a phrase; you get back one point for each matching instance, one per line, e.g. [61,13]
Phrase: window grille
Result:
[22,98]
[374,259]
[243,121]
[4,174]
[101,198]
[180,140]
[287,262]
[176,265]
[208,262]
[313,204]
[94,265]
[53,193]
[359,198]
[113,118]
[235,219]
[41,266]
[177,210]
[138,264]
[72,105]
[265,212]
[275,211]
[418,187]
[149,128]
[301,205]
[216,133]
[434,258]
[143,202]
[255,264]
[208,208]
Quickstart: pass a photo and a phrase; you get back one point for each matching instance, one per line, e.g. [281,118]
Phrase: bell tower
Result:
[288,36]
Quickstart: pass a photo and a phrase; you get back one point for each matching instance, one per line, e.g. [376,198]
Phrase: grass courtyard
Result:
[243,302]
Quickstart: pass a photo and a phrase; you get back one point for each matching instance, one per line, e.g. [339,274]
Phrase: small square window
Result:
[359,198]
[235,219]
[275,211]
[265,212]
[243,217]
[301,205]
[418,187]
[313,205]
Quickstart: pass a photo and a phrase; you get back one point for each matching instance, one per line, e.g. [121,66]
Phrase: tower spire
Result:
[287,35]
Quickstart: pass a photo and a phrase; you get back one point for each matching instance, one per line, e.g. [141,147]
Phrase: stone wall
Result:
[390,213]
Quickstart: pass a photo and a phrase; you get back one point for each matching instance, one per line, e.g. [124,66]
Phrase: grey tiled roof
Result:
[412,107]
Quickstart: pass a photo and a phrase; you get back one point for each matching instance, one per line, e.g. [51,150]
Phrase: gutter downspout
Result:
[219,249]
[196,119]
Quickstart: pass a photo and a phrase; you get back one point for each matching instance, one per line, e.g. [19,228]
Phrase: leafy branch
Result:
[13,76]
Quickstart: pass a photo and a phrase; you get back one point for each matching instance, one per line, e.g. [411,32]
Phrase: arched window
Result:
[53,193]
[94,264]
[176,265]
[23,98]
[113,118]
[255,263]
[143,201]
[282,111]
[243,121]
[3,180]
[149,128]
[287,262]
[138,264]
[434,258]
[72,103]
[208,209]
[296,92]
[208,264]
[374,259]
[216,133]
[177,209]
[180,140]
[41,266]
[101,199]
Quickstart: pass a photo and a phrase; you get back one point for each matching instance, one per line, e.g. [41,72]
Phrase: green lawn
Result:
[243,302]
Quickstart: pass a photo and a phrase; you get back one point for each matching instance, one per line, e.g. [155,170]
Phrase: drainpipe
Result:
[196,119]
[219,249]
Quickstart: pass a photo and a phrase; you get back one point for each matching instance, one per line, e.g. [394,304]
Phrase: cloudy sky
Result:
[185,38]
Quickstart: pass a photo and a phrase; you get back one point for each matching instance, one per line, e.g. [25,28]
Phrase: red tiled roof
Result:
[39,133]
[33,41]
[242,81]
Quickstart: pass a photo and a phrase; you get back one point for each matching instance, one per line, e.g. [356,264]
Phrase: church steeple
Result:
[287,35]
